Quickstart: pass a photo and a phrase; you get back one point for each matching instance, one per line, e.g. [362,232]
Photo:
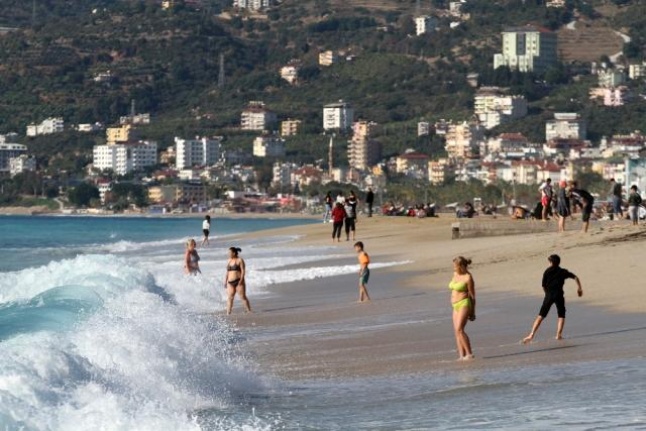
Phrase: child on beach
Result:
[463,302]
[191,258]
[364,272]
[553,280]
[634,201]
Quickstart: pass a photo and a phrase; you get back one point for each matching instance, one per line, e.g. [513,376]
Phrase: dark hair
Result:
[633,187]
[462,261]
[359,244]
[554,259]
[235,250]
[207,217]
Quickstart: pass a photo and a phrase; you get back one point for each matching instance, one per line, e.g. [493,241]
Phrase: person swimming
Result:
[463,302]
[234,279]
[191,258]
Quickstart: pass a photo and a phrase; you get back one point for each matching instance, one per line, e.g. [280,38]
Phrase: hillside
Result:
[168,62]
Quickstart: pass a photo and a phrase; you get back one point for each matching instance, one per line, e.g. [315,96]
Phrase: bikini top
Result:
[458,286]
[235,267]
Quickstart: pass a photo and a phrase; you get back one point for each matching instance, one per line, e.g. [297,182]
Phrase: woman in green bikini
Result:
[463,301]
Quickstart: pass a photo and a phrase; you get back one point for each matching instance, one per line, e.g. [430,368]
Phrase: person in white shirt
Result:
[206,230]
[546,197]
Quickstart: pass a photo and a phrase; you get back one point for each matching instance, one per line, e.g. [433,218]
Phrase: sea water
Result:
[100,329]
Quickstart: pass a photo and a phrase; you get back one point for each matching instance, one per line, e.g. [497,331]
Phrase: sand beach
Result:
[316,329]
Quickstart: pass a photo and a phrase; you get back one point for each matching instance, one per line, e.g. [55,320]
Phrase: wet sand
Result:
[316,329]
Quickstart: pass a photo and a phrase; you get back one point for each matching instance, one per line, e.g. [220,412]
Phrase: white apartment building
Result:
[494,108]
[104,187]
[462,140]
[439,171]
[289,73]
[363,152]
[252,4]
[425,24]
[257,117]
[47,127]
[527,49]
[455,7]
[282,174]
[135,119]
[611,78]
[197,152]
[617,96]
[566,126]
[10,151]
[423,128]
[413,164]
[289,127]
[269,146]
[338,116]
[637,71]
[125,158]
[327,58]
[20,164]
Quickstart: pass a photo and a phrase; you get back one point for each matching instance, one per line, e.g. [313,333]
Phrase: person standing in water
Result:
[206,229]
[364,272]
[328,207]
[191,258]
[553,280]
[234,279]
[463,302]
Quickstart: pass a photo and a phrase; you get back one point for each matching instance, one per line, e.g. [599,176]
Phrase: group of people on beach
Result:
[568,196]
[463,300]
[234,278]
[340,211]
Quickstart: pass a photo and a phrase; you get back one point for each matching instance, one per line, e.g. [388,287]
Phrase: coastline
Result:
[315,329]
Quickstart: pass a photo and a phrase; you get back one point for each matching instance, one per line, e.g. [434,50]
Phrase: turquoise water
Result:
[30,241]
[101,329]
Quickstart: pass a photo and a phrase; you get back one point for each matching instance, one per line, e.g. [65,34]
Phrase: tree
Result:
[82,194]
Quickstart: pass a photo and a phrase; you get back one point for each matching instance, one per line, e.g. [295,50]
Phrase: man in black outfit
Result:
[370,198]
[553,280]
[585,200]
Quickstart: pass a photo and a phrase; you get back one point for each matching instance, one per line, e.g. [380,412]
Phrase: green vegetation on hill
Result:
[168,62]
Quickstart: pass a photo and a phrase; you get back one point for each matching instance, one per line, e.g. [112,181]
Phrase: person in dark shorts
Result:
[553,280]
[585,200]
[234,279]
[616,195]
[350,219]
[206,229]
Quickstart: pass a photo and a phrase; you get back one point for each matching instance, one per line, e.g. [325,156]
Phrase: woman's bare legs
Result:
[243,297]
[461,338]
[231,293]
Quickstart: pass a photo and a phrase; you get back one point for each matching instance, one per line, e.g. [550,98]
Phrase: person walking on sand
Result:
[562,205]
[206,230]
[553,280]
[364,272]
[338,215]
[463,302]
[328,207]
[585,200]
[234,279]
[634,201]
[370,199]
[191,258]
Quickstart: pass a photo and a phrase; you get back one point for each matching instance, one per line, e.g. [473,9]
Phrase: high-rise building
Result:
[425,24]
[363,152]
[527,49]
[10,151]
[463,140]
[494,108]
[338,116]
[197,152]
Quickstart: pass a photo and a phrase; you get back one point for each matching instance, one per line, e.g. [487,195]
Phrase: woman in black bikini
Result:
[234,280]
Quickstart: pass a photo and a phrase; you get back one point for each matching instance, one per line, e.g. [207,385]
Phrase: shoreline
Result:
[300,333]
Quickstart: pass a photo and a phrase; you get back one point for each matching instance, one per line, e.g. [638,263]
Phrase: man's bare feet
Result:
[558,337]
[527,339]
